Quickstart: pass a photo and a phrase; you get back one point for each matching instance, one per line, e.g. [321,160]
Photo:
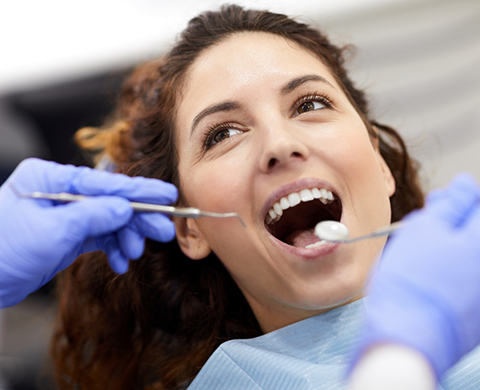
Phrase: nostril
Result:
[272,162]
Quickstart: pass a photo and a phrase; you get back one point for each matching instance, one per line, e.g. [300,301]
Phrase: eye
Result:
[224,134]
[309,106]
[311,102]
[219,133]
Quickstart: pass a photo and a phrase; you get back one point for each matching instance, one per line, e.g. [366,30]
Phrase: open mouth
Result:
[293,218]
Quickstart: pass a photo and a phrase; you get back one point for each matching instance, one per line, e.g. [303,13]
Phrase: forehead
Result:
[252,49]
[251,57]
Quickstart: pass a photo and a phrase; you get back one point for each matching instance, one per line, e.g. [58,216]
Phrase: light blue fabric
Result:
[465,375]
[311,354]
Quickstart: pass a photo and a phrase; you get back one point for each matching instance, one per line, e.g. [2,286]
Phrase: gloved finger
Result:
[472,225]
[109,244]
[131,243]
[34,174]
[93,217]
[435,195]
[155,226]
[117,260]
[90,244]
[461,182]
[39,175]
[93,182]
[455,203]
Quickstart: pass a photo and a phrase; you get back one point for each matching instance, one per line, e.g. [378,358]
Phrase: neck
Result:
[273,317]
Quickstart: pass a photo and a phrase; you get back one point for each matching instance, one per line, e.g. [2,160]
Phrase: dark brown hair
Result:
[155,326]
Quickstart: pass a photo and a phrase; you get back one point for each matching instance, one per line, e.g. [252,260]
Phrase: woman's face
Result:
[261,120]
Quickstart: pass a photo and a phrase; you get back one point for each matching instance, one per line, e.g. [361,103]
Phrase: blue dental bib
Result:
[310,354]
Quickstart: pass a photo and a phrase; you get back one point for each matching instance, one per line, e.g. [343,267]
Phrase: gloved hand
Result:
[426,291]
[39,238]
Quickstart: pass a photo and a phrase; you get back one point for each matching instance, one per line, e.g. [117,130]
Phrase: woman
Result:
[250,112]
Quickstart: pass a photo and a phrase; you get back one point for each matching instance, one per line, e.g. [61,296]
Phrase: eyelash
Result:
[214,129]
[312,97]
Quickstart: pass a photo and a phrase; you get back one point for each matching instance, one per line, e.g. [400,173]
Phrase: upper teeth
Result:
[274,214]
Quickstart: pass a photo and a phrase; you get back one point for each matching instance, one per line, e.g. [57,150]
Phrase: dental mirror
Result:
[333,231]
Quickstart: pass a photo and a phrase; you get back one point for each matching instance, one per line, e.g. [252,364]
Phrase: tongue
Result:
[302,238]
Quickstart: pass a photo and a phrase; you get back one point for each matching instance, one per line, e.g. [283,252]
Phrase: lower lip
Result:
[307,253]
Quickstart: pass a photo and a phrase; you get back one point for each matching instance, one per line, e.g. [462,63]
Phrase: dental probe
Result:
[333,231]
[185,212]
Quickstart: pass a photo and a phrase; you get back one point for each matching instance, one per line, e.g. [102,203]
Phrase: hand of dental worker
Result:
[39,238]
[425,294]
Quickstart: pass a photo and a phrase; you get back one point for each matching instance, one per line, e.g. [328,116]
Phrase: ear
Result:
[190,239]
[387,173]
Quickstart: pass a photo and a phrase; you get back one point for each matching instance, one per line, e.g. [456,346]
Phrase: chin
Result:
[322,298]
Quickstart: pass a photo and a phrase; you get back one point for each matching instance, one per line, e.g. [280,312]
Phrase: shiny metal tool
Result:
[186,212]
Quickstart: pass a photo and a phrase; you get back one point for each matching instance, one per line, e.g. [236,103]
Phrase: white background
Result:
[51,39]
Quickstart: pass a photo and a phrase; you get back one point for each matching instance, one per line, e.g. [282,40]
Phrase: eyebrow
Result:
[230,106]
[225,106]
[296,82]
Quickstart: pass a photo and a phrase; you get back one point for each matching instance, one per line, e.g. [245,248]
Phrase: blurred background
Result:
[62,64]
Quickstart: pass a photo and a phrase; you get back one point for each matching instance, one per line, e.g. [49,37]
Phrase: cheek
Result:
[366,177]
[357,164]
[221,180]
[351,154]
[342,143]
[224,187]
[356,157]
[213,187]
[219,186]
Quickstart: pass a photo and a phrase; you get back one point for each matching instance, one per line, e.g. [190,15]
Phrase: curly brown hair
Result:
[155,326]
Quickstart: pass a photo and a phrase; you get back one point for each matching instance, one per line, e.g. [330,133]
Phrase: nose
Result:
[280,145]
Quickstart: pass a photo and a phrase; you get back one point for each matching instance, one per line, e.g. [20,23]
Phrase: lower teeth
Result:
[316,244]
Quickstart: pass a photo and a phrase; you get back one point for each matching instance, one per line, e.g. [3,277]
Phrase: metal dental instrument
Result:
[333,231]
[186,212]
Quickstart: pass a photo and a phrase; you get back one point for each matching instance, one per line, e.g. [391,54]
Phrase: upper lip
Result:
[307,183]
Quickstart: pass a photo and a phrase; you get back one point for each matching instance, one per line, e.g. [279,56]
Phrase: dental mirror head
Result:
[331,231]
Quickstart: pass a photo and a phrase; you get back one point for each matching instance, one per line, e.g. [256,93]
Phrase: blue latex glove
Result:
[426,291]
[39,238]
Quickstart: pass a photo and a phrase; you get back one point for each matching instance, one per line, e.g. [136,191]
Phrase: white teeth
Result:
[278,209]
[306,195]
[293,199]
[316,244]
[326,194]
[284,203]
[272,213]
[268,219]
